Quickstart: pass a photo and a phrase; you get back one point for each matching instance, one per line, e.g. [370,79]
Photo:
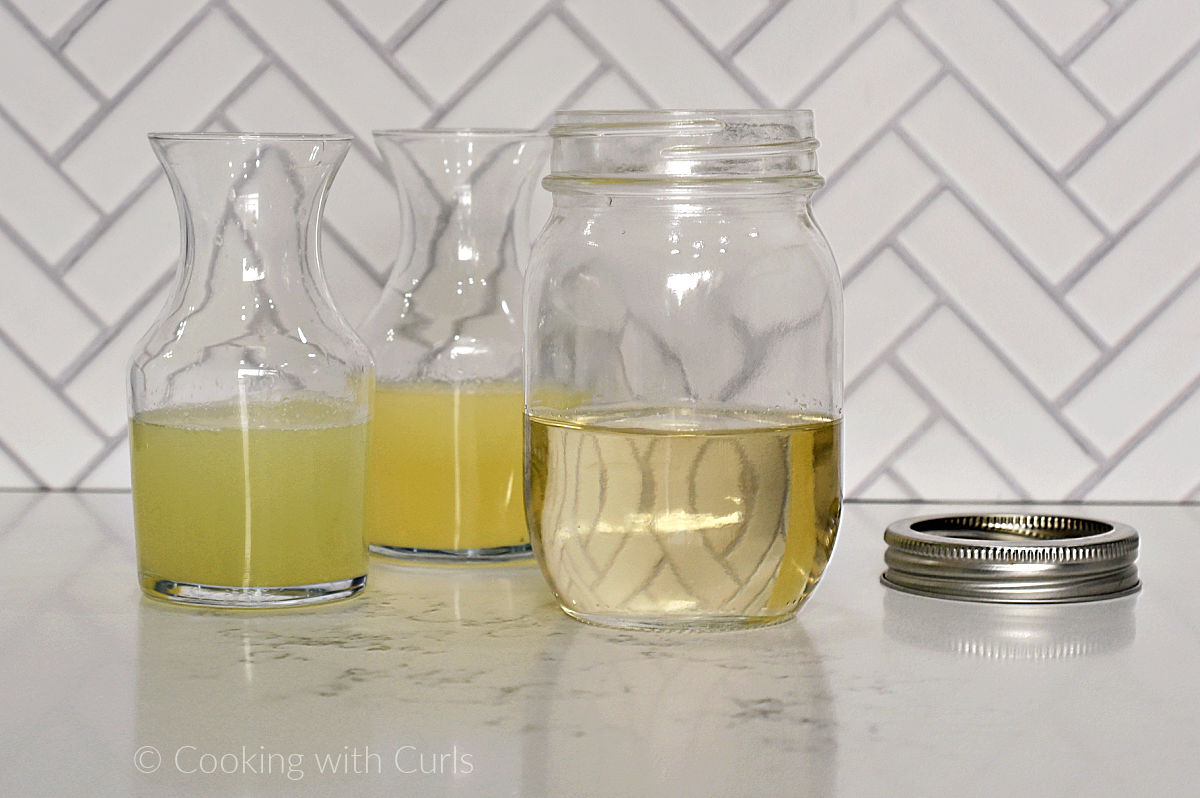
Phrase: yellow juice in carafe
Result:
[445,468]
[256,495]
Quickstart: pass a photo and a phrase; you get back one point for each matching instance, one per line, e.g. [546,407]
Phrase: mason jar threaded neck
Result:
[642,151]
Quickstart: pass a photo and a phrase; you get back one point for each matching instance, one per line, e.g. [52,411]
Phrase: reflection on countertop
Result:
[469,681]
[460,672]
[1010,631]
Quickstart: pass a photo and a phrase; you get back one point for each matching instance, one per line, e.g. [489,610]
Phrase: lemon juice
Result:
[249,496]
[683,516]
[445,469]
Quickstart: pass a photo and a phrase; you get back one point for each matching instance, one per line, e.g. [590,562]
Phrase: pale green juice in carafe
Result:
[250,495]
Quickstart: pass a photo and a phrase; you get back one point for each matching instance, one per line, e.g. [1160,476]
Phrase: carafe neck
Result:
[249,208]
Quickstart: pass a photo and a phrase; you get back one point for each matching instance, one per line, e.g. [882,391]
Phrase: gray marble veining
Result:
[455,681]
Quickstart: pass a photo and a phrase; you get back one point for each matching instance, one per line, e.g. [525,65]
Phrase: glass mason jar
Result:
[683,370]
[249,398]
[444,478]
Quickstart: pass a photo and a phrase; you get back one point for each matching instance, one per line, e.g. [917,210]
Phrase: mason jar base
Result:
[250,598]
[680,623]
[452,556]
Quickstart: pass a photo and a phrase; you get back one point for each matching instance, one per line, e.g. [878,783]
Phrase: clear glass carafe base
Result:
[233,597]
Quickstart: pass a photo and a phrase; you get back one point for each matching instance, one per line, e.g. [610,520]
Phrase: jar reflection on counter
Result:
[683,370]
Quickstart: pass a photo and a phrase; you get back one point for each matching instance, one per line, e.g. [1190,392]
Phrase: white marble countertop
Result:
[474,675]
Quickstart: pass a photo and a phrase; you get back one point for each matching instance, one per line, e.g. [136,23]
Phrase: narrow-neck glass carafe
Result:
[444,481]
[249,398]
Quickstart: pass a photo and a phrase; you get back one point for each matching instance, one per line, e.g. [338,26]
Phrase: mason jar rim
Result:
[651,121]
[701,150]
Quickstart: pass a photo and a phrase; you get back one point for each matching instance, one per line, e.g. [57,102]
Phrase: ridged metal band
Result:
[1011,558]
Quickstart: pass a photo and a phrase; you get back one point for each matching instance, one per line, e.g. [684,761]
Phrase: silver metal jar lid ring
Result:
[1011,558]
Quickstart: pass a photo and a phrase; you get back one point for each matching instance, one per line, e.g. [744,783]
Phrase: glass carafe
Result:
[683,344]
[249,398]
[444,479]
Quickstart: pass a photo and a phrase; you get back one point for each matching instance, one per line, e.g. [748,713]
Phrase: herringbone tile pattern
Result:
[1011,194]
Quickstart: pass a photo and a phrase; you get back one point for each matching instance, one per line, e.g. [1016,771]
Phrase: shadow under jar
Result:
[249,398]
[683,370]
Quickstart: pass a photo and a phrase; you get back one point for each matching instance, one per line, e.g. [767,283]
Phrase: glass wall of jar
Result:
[683,370]
[444,477]
[249,398]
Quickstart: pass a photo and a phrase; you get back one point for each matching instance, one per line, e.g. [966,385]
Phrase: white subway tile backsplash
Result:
[610,90]
[357,83]
[142,26]
[46,209]
[1145,153]
[1010,187]
[353,288]
[1015,76]
[11,474]
[274,102]
[99,388]
[871,198]
[882,412]
[1145,266]
[49,16]
[865,91]
[374,235]
[801,41]
[885,488]
[39,428]
[536,76]
[994,290]
[652,46]
[112,473]
[54,105]
[990,167]
[477,29]
[37,315]
[1143,378]
[383,17]
[884,299]
[986,399]
[1162,463]
[114,158]
[136,250]
[1061,23]
[1137,49]
[942,462]
[719,20]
